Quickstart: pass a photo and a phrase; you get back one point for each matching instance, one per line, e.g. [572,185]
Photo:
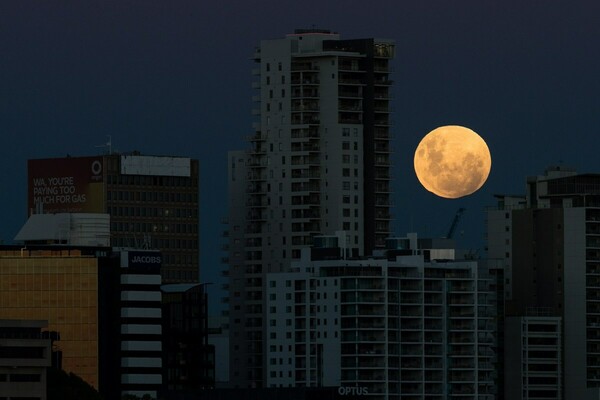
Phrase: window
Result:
[272,284]
[346,172]
[346,185]
[282,79]
[346,159]
[268,80]
[268,67]
[346,226]
[346,132]
[346,212]
[346,199]
[345,145]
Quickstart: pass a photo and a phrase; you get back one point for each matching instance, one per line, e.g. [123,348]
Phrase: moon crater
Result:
[452,161]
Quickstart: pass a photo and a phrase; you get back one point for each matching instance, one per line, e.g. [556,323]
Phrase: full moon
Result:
[452,161]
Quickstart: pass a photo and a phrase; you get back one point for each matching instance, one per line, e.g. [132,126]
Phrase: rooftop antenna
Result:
[108,144]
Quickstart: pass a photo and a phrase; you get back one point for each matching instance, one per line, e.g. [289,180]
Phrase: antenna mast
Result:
[108,144]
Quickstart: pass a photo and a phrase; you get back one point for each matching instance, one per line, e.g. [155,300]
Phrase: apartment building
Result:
[408,325]
[318,163]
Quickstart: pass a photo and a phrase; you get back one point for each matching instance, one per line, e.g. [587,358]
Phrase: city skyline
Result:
[167,80]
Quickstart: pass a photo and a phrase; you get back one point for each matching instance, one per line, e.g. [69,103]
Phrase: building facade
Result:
[318,163]
[549,241]
[24,359]
[534,356]
[382,328]
[59,286]
[152,202]
[188,358]
[131,342]
[103,309]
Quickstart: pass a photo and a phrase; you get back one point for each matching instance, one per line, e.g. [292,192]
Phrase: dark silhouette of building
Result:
[549,243]
[189,361]
[24,359]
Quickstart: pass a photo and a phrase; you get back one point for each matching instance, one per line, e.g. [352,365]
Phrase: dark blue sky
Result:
[174,78]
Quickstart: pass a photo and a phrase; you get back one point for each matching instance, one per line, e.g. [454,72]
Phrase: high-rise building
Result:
[384,327]
[549,242]
[318,163]
[152,202]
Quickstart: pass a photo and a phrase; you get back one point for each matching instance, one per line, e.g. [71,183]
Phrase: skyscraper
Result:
[549,241]
[152,202]
[318,163]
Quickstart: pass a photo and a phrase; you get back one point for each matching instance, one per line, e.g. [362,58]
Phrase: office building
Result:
[59,286]
[318,163]
[131,323]
[24,359]
[103,305]
[388,327]
[152,202]
[549,241]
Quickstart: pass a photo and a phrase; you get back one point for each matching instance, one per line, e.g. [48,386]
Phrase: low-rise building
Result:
[24,358]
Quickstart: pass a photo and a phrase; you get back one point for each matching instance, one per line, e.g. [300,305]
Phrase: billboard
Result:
[66,185]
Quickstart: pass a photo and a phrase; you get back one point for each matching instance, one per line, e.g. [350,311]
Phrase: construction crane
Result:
[459,214]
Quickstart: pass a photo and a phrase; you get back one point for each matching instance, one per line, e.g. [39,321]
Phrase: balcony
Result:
[350,92]
[301,106]
[305,187]
[298,66]
[345,80]
[306,93]
[383,81]
[305,119]
[349,118]
[306,80]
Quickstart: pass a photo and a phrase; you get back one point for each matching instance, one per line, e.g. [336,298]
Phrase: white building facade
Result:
[383,328]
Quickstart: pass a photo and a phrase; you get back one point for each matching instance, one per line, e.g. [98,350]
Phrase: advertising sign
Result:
[66,185]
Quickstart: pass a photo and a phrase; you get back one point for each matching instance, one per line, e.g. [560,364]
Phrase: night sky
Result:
[174,78]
